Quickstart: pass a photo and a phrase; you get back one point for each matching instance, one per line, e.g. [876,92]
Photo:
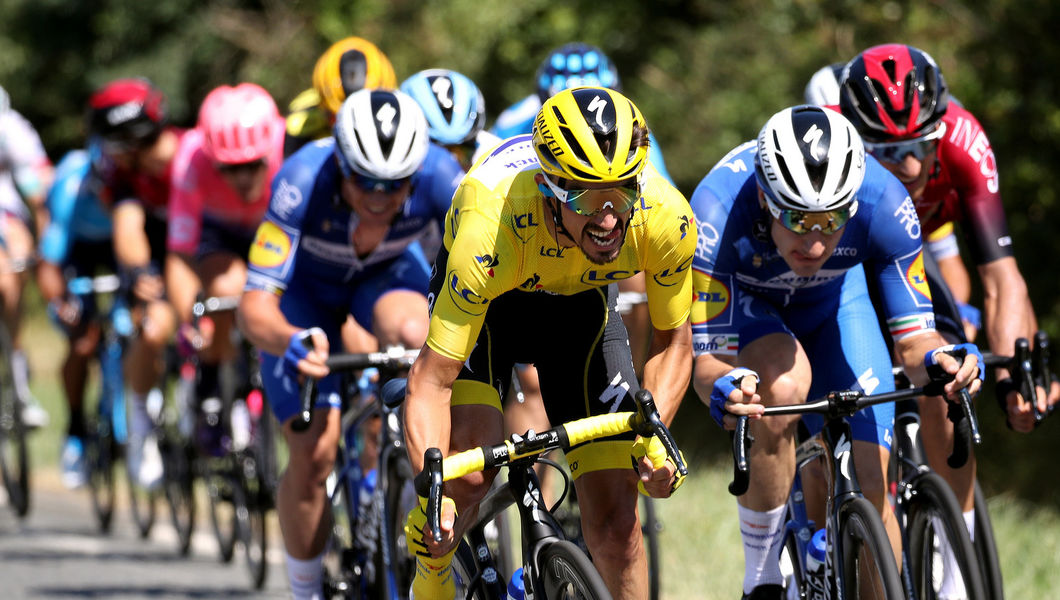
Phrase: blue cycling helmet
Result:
[452,103]
[574,65]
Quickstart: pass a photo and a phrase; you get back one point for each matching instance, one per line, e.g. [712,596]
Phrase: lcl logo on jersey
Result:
[271,246]
[917,279]
[525,220]
[464,298]
[713,300]
[668,277]
[594,277]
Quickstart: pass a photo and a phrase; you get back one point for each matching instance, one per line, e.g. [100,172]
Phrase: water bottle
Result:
[816,555]
[239,419]
[515,586]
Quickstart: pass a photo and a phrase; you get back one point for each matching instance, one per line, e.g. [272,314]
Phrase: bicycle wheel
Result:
[342,572]
[99,455]
[791,569]
[178,487]
[399,497]
[14,459]
[142,505]
[986,548]
[221,488]
[251,509]
[567,573]
[934,525]
[869,568]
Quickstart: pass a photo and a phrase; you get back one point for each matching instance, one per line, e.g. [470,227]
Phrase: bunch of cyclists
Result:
[379,214]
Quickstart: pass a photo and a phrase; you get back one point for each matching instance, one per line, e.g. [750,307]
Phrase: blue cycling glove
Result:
[724,386]
[970,315]
[958,351]
[298,347]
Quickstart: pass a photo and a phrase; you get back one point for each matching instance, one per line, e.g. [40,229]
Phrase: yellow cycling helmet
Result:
[349,65]
[590,134]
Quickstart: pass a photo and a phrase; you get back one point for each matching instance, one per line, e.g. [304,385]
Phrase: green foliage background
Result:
[706,73]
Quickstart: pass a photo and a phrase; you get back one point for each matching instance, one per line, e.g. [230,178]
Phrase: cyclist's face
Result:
[247,179]
[805,253]
[601,235]
[912,172]
[375,207]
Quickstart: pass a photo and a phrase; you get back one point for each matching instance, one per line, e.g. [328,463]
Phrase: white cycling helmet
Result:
[811,159]
[380,134]
[5,101]
[823,87]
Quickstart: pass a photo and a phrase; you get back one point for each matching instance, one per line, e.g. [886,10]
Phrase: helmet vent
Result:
[575,145]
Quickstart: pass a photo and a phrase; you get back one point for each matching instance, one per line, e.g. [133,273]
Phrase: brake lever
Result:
[741,467]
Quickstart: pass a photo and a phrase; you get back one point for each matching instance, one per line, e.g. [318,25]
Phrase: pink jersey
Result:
[198,192]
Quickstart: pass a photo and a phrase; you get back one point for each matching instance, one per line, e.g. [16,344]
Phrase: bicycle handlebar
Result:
[1029,368]
[392,359]
[645,421]
[836,405]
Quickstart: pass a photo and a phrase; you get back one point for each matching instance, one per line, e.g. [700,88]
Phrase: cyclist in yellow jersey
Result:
[538,233]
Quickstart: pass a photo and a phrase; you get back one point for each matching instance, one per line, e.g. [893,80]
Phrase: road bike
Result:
[14,456]
[367,553]
[553,566]
[859,561]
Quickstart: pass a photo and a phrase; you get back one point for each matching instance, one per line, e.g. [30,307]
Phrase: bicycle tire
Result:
[341,573]
[142,505]
[99,454]
[251,509]
[178,488]
[860,528]
[567,572]
[791,568]
[14,456]
[398,499]
[220,489]
[986,548]
[934,518]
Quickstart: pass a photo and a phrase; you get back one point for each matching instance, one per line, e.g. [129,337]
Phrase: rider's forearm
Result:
[131,247]
[260,319]
[427,417]
[182,285]
[1007,310]
[708,368]
[668,368]
[50,281]
[911,351]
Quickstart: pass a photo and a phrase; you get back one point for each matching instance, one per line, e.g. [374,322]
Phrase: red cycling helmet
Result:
[127,113]
[240,124]
[893,92]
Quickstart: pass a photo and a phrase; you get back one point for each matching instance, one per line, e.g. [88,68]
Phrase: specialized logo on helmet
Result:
[547,136]
[813,137]
[384,118]
[488,261]
[443,91]
[598,106]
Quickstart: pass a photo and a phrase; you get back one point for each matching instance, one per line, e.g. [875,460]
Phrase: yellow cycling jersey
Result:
[308,118]
[498,240]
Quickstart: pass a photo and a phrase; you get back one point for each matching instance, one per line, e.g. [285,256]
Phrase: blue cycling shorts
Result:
[305,305]
[845,347]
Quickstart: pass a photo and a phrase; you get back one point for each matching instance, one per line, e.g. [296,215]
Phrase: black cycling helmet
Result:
[127,113]
[893,92]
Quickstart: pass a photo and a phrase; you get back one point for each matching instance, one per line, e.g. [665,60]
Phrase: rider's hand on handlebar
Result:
[659,477]
[735,395]
[307,354]
[1019,412]
[962,362]
[148,287]
[420,537]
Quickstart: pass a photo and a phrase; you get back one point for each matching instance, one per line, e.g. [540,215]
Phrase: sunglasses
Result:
[895,152]
[371,184]
[244,167]
[802,222]
[589,203]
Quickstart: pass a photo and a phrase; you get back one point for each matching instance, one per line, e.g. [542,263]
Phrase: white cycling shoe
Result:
[145,461]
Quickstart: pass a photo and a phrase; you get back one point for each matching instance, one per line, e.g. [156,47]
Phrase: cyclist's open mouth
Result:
[604,240]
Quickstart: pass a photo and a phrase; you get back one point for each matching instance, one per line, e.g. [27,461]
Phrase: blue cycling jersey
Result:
[518,119]
[77,214]
[306,238]
[745,290]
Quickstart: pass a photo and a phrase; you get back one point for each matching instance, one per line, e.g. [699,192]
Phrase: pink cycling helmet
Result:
[240,124]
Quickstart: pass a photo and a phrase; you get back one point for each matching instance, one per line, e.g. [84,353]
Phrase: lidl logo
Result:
[713,297]
[917,278]
[271,246]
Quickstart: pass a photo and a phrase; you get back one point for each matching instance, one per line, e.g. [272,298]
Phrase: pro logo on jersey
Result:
[271,246]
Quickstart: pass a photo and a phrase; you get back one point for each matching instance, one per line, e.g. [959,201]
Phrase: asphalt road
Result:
[58,552]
